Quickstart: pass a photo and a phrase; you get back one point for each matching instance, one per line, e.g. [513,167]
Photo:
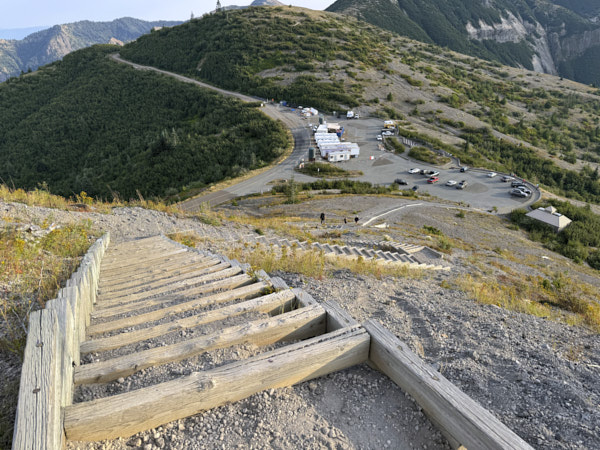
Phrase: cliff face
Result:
[551,36]
[54,43]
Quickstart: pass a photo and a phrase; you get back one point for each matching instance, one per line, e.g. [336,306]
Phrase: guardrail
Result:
[51,352]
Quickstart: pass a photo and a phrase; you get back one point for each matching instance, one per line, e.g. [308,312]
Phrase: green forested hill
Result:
[90,124]
[233,49]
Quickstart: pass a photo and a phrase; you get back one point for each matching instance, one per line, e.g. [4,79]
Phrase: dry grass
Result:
[42,197]
[558,298]
[32,269]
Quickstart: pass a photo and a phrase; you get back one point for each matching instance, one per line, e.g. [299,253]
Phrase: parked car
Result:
[519,193]
[379,138]
[430,173]
[464,168]
[451,183]
[517,183]
[400,181]
[414,188]
[524,189]
[491,174]
[462,184]
[415,170]
[433,180]
[506,178]
[387,133]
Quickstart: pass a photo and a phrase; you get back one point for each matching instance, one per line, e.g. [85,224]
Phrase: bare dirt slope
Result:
[538,376]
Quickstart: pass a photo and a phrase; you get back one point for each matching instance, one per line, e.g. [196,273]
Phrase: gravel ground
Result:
[537,376]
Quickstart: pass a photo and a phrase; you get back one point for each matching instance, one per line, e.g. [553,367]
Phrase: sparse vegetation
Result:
[327,170]
[542,297]
[427,155]
[580,241]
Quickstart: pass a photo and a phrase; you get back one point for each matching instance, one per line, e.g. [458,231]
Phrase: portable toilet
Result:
[311,153]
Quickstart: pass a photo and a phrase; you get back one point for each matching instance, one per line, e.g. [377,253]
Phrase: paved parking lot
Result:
[481,192]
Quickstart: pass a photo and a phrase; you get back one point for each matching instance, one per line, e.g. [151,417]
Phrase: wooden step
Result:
[218,272]
[244,292]
[134,282]
[200,284]
[294,325]
[126,414]
[142,260]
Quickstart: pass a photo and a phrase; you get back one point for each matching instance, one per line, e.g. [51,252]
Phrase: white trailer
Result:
[340,155]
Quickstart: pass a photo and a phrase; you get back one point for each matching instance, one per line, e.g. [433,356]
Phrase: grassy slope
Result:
[89,124]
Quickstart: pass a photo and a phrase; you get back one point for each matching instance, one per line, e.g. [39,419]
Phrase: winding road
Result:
[262,181]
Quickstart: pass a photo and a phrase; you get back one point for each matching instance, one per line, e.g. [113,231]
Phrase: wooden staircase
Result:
[163,305]
[154,290]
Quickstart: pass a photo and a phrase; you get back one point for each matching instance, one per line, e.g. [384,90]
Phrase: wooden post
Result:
[129,413]
[461,419]
[38,423]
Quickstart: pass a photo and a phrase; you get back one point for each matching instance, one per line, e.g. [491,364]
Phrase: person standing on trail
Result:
[345,221]
[322,218]
[356,220]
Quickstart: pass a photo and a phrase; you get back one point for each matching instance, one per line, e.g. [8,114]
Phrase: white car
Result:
[415,170]
[451,183]
[379,138]
[491,174]
[387,133]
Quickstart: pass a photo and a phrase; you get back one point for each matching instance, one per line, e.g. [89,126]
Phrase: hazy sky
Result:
[30,13]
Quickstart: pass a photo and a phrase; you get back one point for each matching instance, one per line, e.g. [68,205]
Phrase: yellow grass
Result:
[558,299]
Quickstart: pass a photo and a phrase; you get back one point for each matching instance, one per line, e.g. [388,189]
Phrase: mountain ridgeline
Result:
[89,124]
[54,43]
[560,37]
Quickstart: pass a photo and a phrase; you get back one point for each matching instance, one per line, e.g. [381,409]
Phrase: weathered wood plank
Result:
[337,317]
[279,284]
[154,289]
[129,413]
[149,272]
[304,298]
[295,325]
[123,308]
[140,260]
[243,292]
[145,261]
[276,303]
[460,417]
[66,347]
[38,423]
[141,279]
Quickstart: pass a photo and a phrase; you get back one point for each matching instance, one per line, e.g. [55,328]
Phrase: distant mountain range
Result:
[560,37]
[46,46]
[19,33]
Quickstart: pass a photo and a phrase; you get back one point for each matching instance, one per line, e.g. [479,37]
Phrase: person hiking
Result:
[356,220]
[345,221]
[322,218]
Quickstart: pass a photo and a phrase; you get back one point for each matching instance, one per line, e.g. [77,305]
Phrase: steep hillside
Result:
[89,124]
[551,36]
[54,43]
[538,126]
